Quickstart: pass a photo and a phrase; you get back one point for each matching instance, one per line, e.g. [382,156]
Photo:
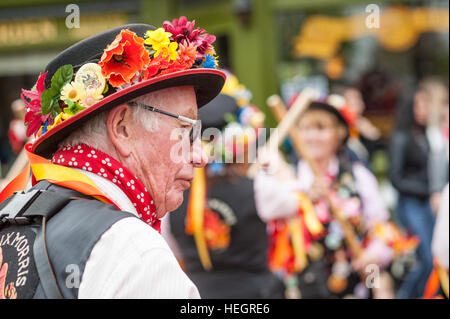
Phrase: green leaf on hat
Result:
[73,107]
[48,100]
[62,76]
[55,106]
[50,97]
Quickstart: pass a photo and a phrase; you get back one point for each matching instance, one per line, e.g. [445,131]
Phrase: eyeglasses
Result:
[196,129]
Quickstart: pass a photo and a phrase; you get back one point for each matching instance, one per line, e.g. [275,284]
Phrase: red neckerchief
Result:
[92,160]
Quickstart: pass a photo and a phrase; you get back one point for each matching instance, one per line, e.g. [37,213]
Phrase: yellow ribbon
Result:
[295,227]
[296,231]
[443,278]
[196,209]
[313,224]
[43,169]
[62,174]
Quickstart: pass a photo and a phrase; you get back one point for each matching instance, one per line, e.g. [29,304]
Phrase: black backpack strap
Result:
[72,224]
[27,208]
[73,233]
[44,266]
[48,204]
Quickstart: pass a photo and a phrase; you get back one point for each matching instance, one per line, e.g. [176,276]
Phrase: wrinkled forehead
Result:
[180,100]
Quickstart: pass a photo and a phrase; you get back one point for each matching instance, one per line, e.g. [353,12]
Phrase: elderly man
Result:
[105,111]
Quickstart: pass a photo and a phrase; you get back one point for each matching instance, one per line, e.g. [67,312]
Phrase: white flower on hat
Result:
[73,91]
[90,98]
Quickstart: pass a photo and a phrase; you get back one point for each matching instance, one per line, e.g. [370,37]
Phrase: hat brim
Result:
[206,82]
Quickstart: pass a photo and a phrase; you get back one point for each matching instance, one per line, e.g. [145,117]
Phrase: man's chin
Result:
[176,199]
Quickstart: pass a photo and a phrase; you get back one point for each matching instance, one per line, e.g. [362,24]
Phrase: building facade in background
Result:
[273,46]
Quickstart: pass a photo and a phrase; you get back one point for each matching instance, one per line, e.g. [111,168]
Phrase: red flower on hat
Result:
[186,54]
[203,44]
[183,30]
[160,65]
[157,64]
[186,58]
[123,58]
[34,118]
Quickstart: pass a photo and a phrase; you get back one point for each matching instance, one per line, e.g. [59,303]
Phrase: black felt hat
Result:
[213,114]
[333,110]
[206,82]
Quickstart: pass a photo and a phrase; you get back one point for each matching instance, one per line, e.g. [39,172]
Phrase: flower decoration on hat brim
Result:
[183,30]
[158,40]
[73,91]
[126,61]
[123,58]
[34,118]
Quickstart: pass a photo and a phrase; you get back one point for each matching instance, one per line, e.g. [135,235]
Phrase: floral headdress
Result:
[128,60]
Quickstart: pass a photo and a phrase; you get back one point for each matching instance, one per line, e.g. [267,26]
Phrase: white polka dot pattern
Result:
[86,158]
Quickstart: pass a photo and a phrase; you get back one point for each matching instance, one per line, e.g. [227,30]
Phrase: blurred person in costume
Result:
[363,134]
[102,170]
[17,130]
[17,139]
[419,172]
[308,248]
[220,238]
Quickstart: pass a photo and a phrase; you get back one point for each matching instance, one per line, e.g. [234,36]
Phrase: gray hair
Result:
[94,133]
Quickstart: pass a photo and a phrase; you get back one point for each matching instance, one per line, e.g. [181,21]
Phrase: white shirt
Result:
[440,243]
[131,259]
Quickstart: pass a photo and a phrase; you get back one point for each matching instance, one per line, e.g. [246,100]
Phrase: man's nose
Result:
[199,156]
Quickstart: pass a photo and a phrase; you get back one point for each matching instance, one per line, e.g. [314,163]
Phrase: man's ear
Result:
[119,125]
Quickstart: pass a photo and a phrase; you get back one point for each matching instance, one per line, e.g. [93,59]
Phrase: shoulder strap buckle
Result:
[17,205]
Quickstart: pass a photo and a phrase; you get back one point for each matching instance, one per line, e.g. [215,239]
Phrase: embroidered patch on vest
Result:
[18,275]
[218,219]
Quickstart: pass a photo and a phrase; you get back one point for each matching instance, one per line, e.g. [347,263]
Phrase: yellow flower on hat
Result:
[158,39]
[59,119]
[170,51]
[73,91]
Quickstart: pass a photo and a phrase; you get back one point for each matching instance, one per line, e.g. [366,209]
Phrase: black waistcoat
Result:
[71,235]
[240,269]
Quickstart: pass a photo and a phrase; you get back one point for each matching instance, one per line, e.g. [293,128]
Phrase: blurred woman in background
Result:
[309,247]
[411,162]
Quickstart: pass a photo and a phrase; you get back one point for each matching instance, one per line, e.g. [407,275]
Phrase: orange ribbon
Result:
[43,169]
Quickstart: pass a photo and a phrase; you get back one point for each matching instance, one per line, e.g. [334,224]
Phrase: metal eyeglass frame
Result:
[196,129]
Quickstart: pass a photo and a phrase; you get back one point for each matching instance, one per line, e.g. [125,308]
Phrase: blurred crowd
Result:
[391,240]
[315,218]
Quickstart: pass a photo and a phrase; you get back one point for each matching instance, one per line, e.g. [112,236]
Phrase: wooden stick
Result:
[279,110]
[289,119]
